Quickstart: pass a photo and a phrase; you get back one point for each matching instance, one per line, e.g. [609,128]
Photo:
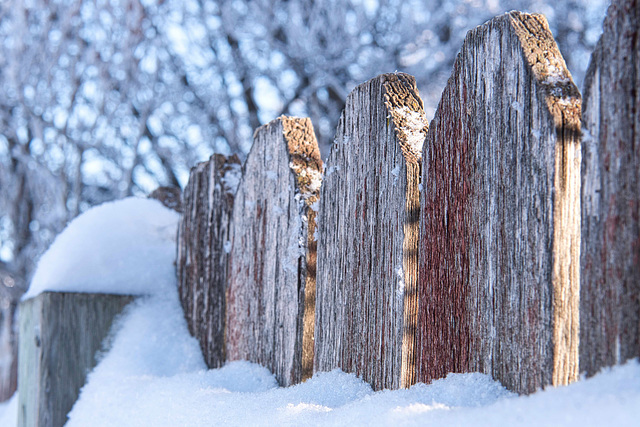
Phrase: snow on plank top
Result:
[368,227]
[306,162]
[500,230]
[271,281]
[407,109]
[123,247]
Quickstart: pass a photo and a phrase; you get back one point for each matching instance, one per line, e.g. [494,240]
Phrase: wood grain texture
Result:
[610,255]
[11,289]
[271,264]
[170,197]
[203,246]
[366,307]
[60,334]
[500,223]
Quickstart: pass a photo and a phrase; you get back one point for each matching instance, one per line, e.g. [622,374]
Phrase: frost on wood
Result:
[368,228]
[203,238]
[271,294]
[500,223]
[610,253]
[60,334]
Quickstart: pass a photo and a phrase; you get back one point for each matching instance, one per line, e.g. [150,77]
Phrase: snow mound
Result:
[152,371]
[9,412]
[155,375]
[123,247]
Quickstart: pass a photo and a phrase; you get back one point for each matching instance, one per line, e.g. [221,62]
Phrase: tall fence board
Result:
[610,254]
[500,221]
[366,304]
[60,334]
[10,292]
[271,280]
[203,246]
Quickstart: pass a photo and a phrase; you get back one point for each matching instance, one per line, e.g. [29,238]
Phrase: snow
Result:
[554,75]
[122,247]
[141,382]
[153,372]
[414,127]
[309,179]
[9,412]
[154,375]
[231,179]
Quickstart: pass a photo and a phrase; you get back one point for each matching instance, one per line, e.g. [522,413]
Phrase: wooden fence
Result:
[478,271]
[481,242]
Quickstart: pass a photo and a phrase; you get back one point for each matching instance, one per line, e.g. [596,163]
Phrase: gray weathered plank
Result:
[610,253]
[367,234]
[203,244]
[60,334]
[170,197]
[11,290]
[500,221]
[271,283]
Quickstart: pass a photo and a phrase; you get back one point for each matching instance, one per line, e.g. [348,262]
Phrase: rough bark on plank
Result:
[610,253]
[10,292]
[60,334]
[272,261]
[367,234]
[500,221]
[203,245]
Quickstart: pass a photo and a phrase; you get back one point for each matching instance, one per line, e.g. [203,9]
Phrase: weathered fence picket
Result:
[203,246]
[271,274]
[457,247]
[366,307]
[10,293]
[610,253]
[500,219]
[60,334]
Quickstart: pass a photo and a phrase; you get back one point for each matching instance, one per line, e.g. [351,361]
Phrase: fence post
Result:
[203,245]
[368,227]
[60,334]
[610,253]
[271,280]
[500,222]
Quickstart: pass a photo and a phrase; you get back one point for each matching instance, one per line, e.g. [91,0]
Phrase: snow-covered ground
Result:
[154,373]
